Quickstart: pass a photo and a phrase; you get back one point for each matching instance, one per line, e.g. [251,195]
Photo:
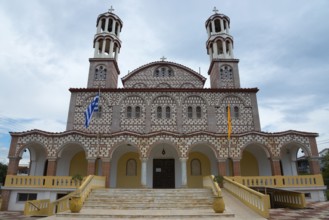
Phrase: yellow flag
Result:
[229,124]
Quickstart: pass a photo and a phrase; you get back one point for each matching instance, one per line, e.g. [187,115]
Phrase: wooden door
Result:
[164,173]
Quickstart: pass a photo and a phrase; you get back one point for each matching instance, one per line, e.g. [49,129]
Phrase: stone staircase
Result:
[147,204]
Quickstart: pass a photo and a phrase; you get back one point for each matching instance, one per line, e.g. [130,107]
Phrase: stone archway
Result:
[34,156]
[255,161]
[72,160]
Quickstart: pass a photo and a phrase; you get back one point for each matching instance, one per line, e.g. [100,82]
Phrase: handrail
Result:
[280,181]
[208,182]
[62,204]
[258,202]
[33,205]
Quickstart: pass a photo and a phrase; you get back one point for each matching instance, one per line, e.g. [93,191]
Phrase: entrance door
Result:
[163,173]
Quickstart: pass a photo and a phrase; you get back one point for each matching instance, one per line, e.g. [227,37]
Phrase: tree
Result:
[3,173]
[325,171]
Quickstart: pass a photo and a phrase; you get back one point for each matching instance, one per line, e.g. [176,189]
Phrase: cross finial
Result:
[111,10]
[163,58]
[215,10]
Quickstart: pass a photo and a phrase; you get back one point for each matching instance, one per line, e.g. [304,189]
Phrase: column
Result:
[144,172]
[5,195]
[221,167]
[224,48]
[103,47]
[314,166]
[13,165]
[213,26]
[184,172]
[106,25]
[91,167]
[276,168]
[96,48]
[236,167]
[231,49]
[221,25]
[227,27]
[215,54]
[113,26]
[51,169]
[111,49]
[106,171]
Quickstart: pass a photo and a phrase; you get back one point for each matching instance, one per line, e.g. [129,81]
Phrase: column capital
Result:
[51,158]
[144,159]
[183,159]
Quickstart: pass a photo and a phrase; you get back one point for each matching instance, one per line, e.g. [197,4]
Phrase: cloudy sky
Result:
[282,46]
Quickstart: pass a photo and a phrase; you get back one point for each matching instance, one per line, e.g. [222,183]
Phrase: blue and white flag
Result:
[90,109]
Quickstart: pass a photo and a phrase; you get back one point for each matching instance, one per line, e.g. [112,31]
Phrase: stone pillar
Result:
[276,168]
[96,48]
[113,25]
[213,26]
[111,52]
[215,50]
[51,169]
[224,48]
[91,167]
[314,166]
[236,167]
[221,167]
[231,50]
[106,25]
[227,28]
[106,171]
[221,25]
[184,172]
[144,172]
[13,165]
[5,195]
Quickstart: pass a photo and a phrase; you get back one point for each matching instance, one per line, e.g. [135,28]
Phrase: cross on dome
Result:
[111,10]
[215,10]
[163,58]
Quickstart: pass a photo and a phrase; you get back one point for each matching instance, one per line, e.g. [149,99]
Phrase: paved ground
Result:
[319,210]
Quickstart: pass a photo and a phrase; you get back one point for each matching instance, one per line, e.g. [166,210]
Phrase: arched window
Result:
[103,25]
[190,112]
[220,47]
[195,167]
[217,25]
[138,112]
[226,111]
[131,167]
[167,112]
[159,112]
[109,27]
[236,112]
[129,112]
[198,112]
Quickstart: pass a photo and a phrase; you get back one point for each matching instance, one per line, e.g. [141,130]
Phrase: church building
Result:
[163,129]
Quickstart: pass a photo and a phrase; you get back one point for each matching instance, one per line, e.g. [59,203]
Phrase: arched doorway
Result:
[290,153]
[72,161]
[33,160]
[255,161]
[201,162]
[125,171]
[164,167]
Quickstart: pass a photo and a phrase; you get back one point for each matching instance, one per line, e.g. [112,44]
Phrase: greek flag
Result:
[90,109]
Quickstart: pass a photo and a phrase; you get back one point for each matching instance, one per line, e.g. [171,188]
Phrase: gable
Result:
[163,75]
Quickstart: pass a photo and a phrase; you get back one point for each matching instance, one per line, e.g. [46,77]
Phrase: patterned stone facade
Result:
[178,103]
[102,146]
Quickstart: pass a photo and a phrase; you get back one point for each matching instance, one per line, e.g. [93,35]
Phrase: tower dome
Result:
[220,42]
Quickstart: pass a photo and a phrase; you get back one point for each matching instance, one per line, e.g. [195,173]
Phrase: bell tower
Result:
[104,70]
[223,70]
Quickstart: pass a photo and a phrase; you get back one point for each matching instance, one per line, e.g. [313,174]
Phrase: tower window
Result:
[109,27]
[164,71]
[103,25]
[198,111]
[129,112]
[167,112]
[190,112]
[236,112]
[138,112]
[217,25]
[159,112]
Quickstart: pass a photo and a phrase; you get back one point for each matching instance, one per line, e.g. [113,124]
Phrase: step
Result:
[146,214]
